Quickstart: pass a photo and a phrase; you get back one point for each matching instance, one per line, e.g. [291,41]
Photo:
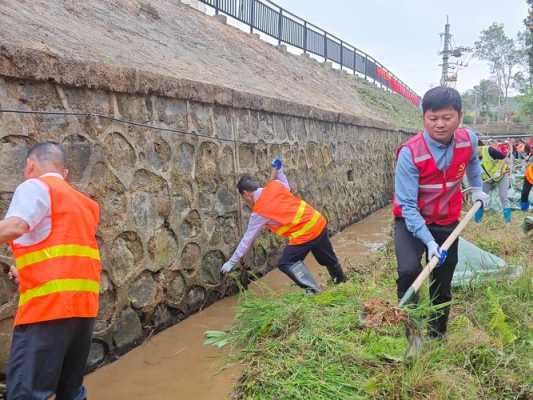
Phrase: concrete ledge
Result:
[38,65]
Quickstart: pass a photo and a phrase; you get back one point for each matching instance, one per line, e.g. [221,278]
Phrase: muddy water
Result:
[176,365]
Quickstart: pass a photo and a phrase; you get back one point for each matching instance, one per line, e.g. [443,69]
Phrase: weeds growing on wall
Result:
[299,347]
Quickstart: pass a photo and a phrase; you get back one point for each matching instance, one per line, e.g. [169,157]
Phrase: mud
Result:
[176,364]
[378,313]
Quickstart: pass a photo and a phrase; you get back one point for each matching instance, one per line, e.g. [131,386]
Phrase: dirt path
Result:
[176,365]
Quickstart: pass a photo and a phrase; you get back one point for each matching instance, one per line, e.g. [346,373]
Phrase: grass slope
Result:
[298,347]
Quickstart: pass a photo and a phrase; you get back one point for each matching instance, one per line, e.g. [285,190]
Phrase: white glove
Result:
[478,194]
[14,274]
[434,250]
[228,267]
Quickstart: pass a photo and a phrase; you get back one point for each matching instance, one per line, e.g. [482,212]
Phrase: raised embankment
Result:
[224,102]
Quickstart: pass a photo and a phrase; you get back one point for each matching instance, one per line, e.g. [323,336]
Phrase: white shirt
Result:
[31,203]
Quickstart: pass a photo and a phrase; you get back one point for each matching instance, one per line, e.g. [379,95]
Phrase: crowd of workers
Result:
[51,228]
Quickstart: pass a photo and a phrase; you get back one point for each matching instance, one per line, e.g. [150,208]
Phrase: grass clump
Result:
[297,347]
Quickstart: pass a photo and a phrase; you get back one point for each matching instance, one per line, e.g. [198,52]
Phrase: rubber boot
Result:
[507,215]
[438,323]
[300,274]
[337,274]
[524,205]
[82,395]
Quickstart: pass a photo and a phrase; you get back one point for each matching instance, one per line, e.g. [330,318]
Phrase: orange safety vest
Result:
[296,220]
[529,173]
[59,277]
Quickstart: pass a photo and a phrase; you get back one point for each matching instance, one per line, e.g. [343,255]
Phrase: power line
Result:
[119,120]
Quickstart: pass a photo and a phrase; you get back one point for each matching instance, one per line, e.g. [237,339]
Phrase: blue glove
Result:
[435,251]
[277,163]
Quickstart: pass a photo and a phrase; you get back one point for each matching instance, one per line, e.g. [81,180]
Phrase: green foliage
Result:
[526,104]
[497,322]
[468,118]
[313,348]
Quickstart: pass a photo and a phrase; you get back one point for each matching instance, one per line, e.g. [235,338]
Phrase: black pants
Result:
[525,191]
[409,252]
[49,358]
[320,247]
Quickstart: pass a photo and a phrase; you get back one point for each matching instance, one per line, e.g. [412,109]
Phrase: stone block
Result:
[128,331]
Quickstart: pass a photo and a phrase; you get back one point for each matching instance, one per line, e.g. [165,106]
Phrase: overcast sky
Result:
[404,34]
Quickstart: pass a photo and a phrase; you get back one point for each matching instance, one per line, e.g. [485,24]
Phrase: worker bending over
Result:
[495,160]
[275,207]
[51,228]
[428,200]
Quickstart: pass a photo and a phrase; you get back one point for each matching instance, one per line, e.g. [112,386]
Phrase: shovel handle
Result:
[415,286]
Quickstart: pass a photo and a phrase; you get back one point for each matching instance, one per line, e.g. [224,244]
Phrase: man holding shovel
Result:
[428,199]
[275,207]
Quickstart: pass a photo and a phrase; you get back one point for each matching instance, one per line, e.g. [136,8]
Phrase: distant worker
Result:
[275,207]
[428,200]
[495,163]
[526,188]
[51,228]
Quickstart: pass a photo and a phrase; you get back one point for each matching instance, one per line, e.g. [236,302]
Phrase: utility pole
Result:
[446,53]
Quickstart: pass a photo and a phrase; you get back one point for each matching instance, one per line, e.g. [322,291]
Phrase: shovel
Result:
[415,286]
[395,314]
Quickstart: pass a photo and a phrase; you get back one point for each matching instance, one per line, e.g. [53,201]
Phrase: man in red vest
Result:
[428,200]
[286,215]
[51,228]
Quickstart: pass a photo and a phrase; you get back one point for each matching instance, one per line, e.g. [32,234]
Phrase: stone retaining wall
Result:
[170,210]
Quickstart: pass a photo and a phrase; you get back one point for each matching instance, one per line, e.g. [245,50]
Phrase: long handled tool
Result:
[415,286]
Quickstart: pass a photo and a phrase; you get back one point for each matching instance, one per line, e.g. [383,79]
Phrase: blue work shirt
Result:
[406,181]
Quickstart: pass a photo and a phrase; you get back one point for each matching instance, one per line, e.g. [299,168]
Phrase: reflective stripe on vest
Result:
[493,170]
[439,194]
[297,218]
[59,285]
[62,250]
[294,218]
[59,277]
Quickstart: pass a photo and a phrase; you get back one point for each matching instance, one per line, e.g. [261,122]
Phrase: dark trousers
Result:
[525,191]
[409,252]
[49,358]
[320,247]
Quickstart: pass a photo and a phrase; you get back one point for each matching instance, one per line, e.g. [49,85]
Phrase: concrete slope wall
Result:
[170,210]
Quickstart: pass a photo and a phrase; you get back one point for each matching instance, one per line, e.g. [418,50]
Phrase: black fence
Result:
[278,23]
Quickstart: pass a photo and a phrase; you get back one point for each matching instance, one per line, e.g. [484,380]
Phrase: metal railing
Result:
[282,25]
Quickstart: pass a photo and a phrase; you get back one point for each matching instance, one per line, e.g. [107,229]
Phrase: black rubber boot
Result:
[337,274]
[438,323]
[300,274]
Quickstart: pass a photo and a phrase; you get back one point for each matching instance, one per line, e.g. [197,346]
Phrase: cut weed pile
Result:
[297,347]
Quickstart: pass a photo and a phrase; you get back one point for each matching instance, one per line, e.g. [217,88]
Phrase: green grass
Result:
[297,347]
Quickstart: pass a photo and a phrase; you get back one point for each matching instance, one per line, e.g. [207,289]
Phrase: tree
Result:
[482,100]
[528,22]
[503,55]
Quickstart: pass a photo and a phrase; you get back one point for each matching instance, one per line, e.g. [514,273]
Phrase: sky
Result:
[404,34]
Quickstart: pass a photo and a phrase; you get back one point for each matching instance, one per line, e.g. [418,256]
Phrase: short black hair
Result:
[48,151]
[442,97]
[248,184]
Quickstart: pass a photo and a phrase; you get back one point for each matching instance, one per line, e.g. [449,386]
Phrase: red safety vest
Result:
[296,220]
[59,277]
[439,192]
